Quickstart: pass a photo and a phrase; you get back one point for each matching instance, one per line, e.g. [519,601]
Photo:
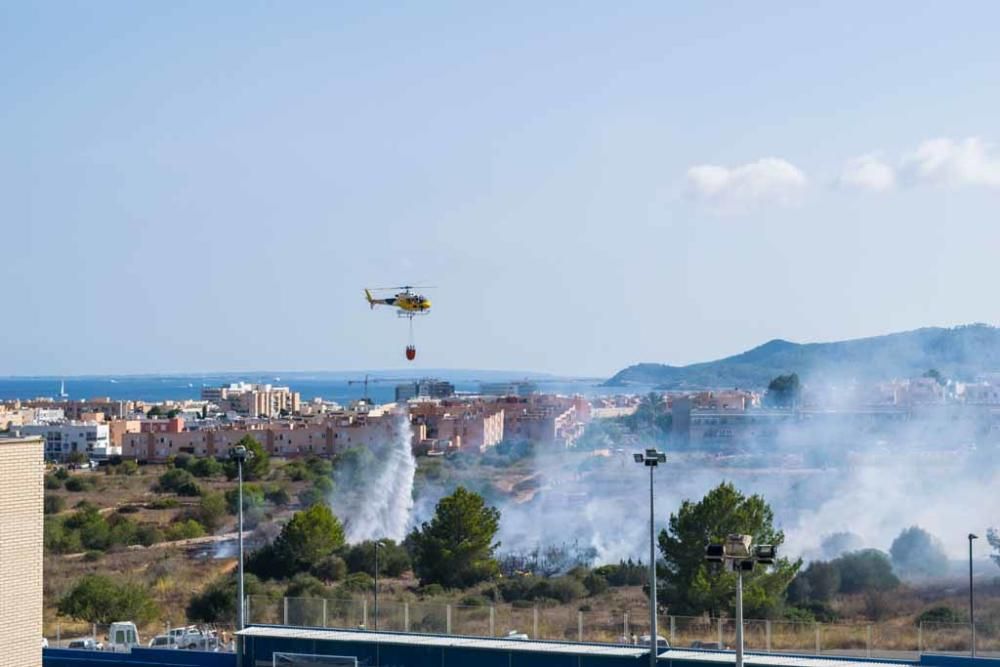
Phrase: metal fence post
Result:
[364,613]
[324,612]
[625,633]
[246,609]
[721,644]
[868,640]
[406,617]
[579,626]
[493,621]
[447,619]
[285,601]
[818,645]
[58,633]
[534,623]
[767,635]
[920,637]
[673,630]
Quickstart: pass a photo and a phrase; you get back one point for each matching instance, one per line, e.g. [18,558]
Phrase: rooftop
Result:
[501,644]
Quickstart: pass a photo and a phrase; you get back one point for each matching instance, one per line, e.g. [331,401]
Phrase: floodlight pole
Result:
[972,606]
[651,458]
[242,603]
[239,454]
[653,636]
[739,615]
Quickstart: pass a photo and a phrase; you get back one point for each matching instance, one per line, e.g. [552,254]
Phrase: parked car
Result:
[86,644]
[123,636]
[193,637]
[661,642]
[45,642]
[514,634]
[715,646]
[162,641]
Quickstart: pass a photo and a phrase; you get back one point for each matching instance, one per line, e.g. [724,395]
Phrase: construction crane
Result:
[374,380]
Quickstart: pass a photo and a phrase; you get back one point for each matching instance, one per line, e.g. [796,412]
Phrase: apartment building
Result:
[63,439]
[21,469]
[253,400]
[469,425]
[326,437]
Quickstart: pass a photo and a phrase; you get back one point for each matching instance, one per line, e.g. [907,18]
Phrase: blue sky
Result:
[208,186]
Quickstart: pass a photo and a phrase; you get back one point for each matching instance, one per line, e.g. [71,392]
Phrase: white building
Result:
[63,439]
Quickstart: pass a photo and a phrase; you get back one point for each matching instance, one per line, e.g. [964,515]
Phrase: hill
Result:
[961,352]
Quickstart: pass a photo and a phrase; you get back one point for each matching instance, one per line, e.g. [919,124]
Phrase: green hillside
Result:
[962,352]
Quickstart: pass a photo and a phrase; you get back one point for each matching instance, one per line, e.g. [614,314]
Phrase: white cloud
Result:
[768,180]
[867,172]
[949,162]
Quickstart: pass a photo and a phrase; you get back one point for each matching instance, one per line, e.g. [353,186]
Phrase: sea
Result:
[340,387]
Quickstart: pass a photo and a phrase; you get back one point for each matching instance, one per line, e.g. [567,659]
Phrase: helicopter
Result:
[408,303]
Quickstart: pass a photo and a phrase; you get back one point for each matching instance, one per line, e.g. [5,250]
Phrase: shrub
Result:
[393,560]
[625,573]
[253,496]
[148,534]
[217,602]
[359,582]
[181,461]
[595,584]
[865,570]
[205,467]
[178,481]
[78,484]
[127,468]
[939,614]
[99,599]
[127,509]
[62,474]
[53,482]
[58,539]
[53,504]
[211,511]
[432,590]
[305,585]
[564,589]
[277,495]
[93,556]
[474,601]
[184,530]
[331,568]
[122,531]
[311,496]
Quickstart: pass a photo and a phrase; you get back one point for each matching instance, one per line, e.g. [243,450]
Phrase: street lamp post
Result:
[651,458]
[240,454]
[972,606]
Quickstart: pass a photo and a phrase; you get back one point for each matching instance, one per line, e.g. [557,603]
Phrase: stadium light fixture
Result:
[739,552]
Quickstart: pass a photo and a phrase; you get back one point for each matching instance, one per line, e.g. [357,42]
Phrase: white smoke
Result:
[374,498]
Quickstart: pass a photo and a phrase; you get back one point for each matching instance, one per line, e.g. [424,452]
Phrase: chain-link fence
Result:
[122,637]
[627,626]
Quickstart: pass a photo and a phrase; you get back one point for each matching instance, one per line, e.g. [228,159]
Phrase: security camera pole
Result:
[739,554]
[651,458]
[240,454]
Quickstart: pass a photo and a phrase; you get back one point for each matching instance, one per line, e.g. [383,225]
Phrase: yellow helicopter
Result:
[408,303]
